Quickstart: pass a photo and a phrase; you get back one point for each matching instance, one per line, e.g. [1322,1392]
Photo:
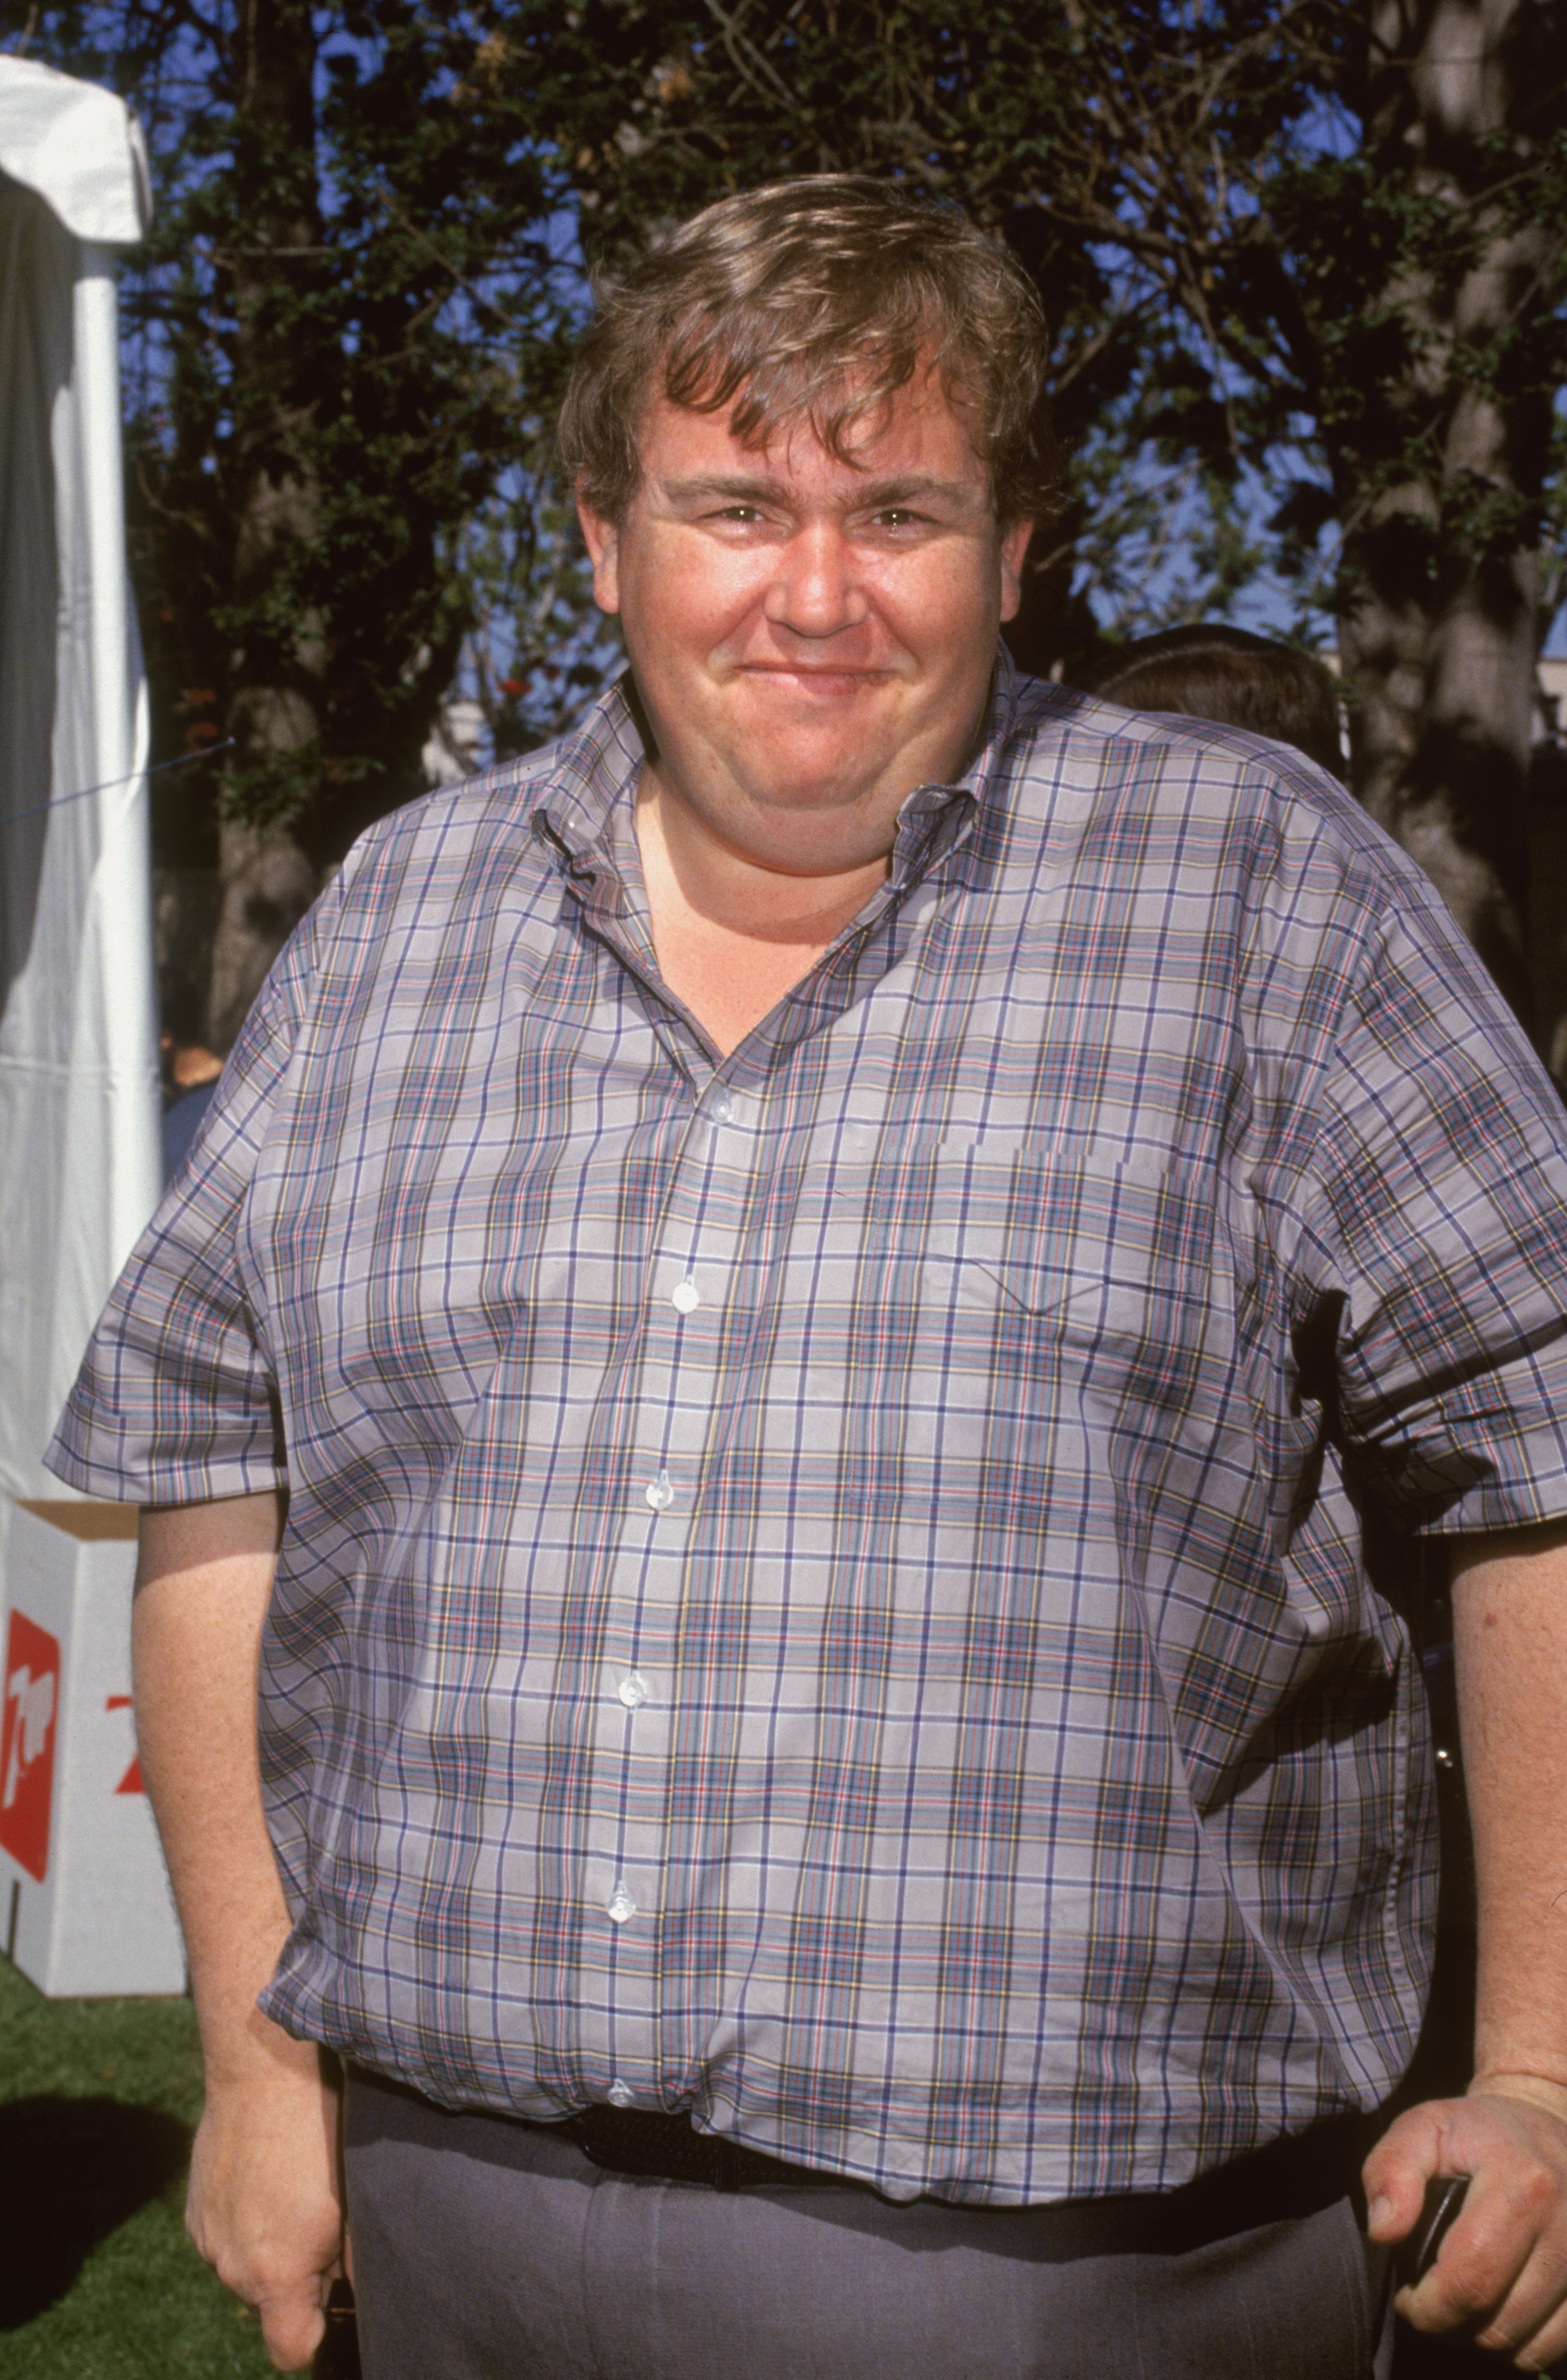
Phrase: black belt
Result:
[643,2140]
[1286,2181]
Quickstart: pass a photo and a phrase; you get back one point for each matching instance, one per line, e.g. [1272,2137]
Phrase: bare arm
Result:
[1503,2265]
[264,2205]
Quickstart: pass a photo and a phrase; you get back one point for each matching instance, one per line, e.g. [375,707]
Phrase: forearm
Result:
[263,2205]
[1510,1626]
[1502,2268]
[202,1587]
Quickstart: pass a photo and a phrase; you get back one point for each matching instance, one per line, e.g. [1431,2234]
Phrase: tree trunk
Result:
[277,683]
[265,885]
[1440,473]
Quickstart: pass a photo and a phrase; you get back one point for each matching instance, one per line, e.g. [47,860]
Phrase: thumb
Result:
[292,2327]
[1396,2172]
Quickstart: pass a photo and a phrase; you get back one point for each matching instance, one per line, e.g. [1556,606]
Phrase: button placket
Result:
[685,1295]
[677,1409]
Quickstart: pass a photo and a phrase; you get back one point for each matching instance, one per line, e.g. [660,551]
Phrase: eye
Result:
[899,517]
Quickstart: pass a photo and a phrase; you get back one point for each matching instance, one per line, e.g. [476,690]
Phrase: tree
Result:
[347,330]
[281,371]
[1440,438]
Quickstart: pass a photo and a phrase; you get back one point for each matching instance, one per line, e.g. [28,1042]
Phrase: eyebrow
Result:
[876,496]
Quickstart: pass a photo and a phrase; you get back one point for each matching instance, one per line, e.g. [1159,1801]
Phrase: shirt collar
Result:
[591,773]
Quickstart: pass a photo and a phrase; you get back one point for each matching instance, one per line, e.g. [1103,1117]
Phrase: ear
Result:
[1014,545]
[602,540]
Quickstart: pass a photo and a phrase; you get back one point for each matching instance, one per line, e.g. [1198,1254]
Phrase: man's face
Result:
[811,638]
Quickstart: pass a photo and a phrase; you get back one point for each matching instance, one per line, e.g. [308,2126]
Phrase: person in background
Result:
[1212,671]
[190,1071]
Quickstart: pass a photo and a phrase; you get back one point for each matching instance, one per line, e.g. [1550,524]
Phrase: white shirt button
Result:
[684,1297]
[621,2095]
[661,1492]
[620,1905]
[723,1107]
[633,1690]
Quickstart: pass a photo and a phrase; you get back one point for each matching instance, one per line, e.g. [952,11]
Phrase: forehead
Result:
[917,431]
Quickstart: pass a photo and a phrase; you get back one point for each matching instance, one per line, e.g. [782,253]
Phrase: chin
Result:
[820,782]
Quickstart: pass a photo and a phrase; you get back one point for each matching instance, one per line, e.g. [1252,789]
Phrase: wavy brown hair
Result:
[815,299]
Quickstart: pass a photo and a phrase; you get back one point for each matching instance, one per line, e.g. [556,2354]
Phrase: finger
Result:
[292,2329]
[1530,2323]
[1539,2351]
[1483,2261]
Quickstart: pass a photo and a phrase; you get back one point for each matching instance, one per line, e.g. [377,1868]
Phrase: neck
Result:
[739,893]
[732,936]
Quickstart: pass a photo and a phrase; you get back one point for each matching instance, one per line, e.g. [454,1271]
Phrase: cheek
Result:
[950,622]
[685,608]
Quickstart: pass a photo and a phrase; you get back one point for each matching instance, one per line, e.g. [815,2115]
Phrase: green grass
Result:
[100,2099]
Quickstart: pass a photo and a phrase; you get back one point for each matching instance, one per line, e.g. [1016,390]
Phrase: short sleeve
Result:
[176,1400]
[1434,1231]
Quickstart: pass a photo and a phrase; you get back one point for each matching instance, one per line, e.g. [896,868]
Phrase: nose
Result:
[815,590]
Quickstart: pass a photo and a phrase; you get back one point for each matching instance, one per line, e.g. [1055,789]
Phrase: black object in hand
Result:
[337,2357]
[1415,2255]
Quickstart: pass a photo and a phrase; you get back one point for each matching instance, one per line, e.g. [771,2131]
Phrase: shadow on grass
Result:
[76,2171]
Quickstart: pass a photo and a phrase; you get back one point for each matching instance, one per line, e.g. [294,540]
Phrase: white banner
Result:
[80,1167]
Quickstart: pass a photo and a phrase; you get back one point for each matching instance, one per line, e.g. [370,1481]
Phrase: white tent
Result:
[79,1099]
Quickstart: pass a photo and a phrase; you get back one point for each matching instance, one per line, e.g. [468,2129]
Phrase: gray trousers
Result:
[485,2250]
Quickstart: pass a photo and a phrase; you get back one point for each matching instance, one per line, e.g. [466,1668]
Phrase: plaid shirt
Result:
[826,1588]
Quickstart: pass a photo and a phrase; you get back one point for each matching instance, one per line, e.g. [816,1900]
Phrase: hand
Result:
[1502,2268]
[264,2205]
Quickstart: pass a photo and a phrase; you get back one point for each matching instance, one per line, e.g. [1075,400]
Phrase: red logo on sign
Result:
[27,1743]
[132,1781]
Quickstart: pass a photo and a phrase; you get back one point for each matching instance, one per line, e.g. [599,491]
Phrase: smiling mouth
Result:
[818,674]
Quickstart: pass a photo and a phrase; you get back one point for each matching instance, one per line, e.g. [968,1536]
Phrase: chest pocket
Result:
[1054,1232]
[1102,1272]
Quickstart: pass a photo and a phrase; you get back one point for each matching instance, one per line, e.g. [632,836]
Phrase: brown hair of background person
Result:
[1211,670]
[815,312]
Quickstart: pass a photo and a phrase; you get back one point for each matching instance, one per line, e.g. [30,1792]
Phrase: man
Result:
[829,1269]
